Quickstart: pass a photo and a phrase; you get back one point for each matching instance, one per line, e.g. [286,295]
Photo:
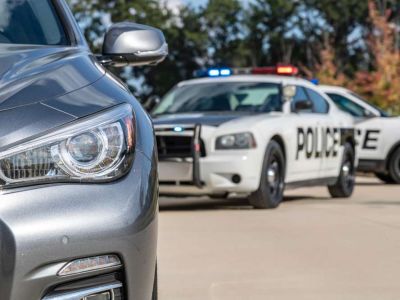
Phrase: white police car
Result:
[378,135]
[252,134]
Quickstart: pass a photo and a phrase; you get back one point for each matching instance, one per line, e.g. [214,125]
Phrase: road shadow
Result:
[205,203]
[202,203]
[381,203]
[366,183]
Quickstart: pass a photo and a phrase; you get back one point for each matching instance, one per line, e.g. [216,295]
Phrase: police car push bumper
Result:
[203,175]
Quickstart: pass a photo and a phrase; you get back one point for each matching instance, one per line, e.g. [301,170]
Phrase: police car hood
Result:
[30,74]
[210,119]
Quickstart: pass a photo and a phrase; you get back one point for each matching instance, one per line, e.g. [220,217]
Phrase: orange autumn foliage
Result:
[327,71]
[381,85]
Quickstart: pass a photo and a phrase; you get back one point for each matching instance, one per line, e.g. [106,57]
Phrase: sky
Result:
[176,3]
[194,2]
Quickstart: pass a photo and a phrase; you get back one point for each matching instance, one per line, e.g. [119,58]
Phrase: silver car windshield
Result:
[32,22]
[253,97]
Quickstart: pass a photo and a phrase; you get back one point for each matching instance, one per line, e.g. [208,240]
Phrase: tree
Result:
[183,31]
[345,22]
[269,24]
[383,82]
[187,44]
[342,42]
[222,20]
[327,71]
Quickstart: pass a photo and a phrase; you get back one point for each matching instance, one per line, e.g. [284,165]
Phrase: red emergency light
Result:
[276,70]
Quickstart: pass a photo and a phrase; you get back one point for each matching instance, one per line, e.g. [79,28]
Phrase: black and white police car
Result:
[252,133]
[378,135]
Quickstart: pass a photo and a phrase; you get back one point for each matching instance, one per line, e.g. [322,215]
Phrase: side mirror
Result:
[303,105]
[151,102]
[368,114]
[131,44]
[289,91]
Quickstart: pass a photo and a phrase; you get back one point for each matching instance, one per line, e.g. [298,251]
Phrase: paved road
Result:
[311,247]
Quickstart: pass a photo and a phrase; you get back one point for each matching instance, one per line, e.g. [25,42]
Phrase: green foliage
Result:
[186,39]
[222,21]
[320,36]
[268,22]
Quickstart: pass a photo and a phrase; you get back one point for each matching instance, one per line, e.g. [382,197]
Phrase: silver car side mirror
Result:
[131,44]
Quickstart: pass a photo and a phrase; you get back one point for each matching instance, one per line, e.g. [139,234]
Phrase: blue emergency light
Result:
[225,72]
[219,72]
[213,72]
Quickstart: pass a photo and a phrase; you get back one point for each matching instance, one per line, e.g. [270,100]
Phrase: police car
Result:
[378,134]
[254,132]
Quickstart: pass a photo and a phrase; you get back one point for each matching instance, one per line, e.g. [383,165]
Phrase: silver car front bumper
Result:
[45,227]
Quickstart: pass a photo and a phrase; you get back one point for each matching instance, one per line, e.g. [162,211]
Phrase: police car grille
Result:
[176,147]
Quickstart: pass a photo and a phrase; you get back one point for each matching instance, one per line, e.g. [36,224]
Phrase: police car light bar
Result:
[287,70]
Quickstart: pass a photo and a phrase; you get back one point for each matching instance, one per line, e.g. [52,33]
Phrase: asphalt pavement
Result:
[312,247]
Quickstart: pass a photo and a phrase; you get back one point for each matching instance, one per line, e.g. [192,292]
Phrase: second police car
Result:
[377,134]
[253,133]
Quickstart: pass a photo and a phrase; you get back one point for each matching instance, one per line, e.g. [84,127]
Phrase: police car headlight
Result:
[98,148]
[243,140]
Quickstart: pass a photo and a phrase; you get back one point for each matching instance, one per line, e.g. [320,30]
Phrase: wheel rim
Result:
[348,172]
[274,177]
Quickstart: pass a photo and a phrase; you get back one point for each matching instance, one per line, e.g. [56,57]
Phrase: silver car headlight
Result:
[243,140]
[97,148]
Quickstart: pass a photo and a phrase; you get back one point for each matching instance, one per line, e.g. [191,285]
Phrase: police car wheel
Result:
[394,166]
[270,192]
[344,186]
[386,178]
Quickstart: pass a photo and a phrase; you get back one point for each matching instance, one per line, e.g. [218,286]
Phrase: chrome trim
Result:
[117,264]
[162,51]
[82,293]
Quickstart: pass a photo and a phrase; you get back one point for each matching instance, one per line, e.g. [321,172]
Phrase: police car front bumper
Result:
[230,171]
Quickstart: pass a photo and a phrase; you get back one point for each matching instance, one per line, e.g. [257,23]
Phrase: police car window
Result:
[381,111]
[32,22]
[320,106]
[347,105]
[300,96]
[222,97]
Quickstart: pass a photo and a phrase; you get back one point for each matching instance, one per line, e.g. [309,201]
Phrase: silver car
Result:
[78,167]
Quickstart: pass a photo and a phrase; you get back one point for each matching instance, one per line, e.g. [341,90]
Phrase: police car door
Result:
[328,141]
[306,146]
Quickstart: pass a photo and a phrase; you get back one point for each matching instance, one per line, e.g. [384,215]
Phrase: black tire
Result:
[386,178]
[394,166]
[344,186]
[155,286]
[272,183]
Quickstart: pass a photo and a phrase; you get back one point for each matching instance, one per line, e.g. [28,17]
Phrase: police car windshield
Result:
[33,22]
[222,97]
